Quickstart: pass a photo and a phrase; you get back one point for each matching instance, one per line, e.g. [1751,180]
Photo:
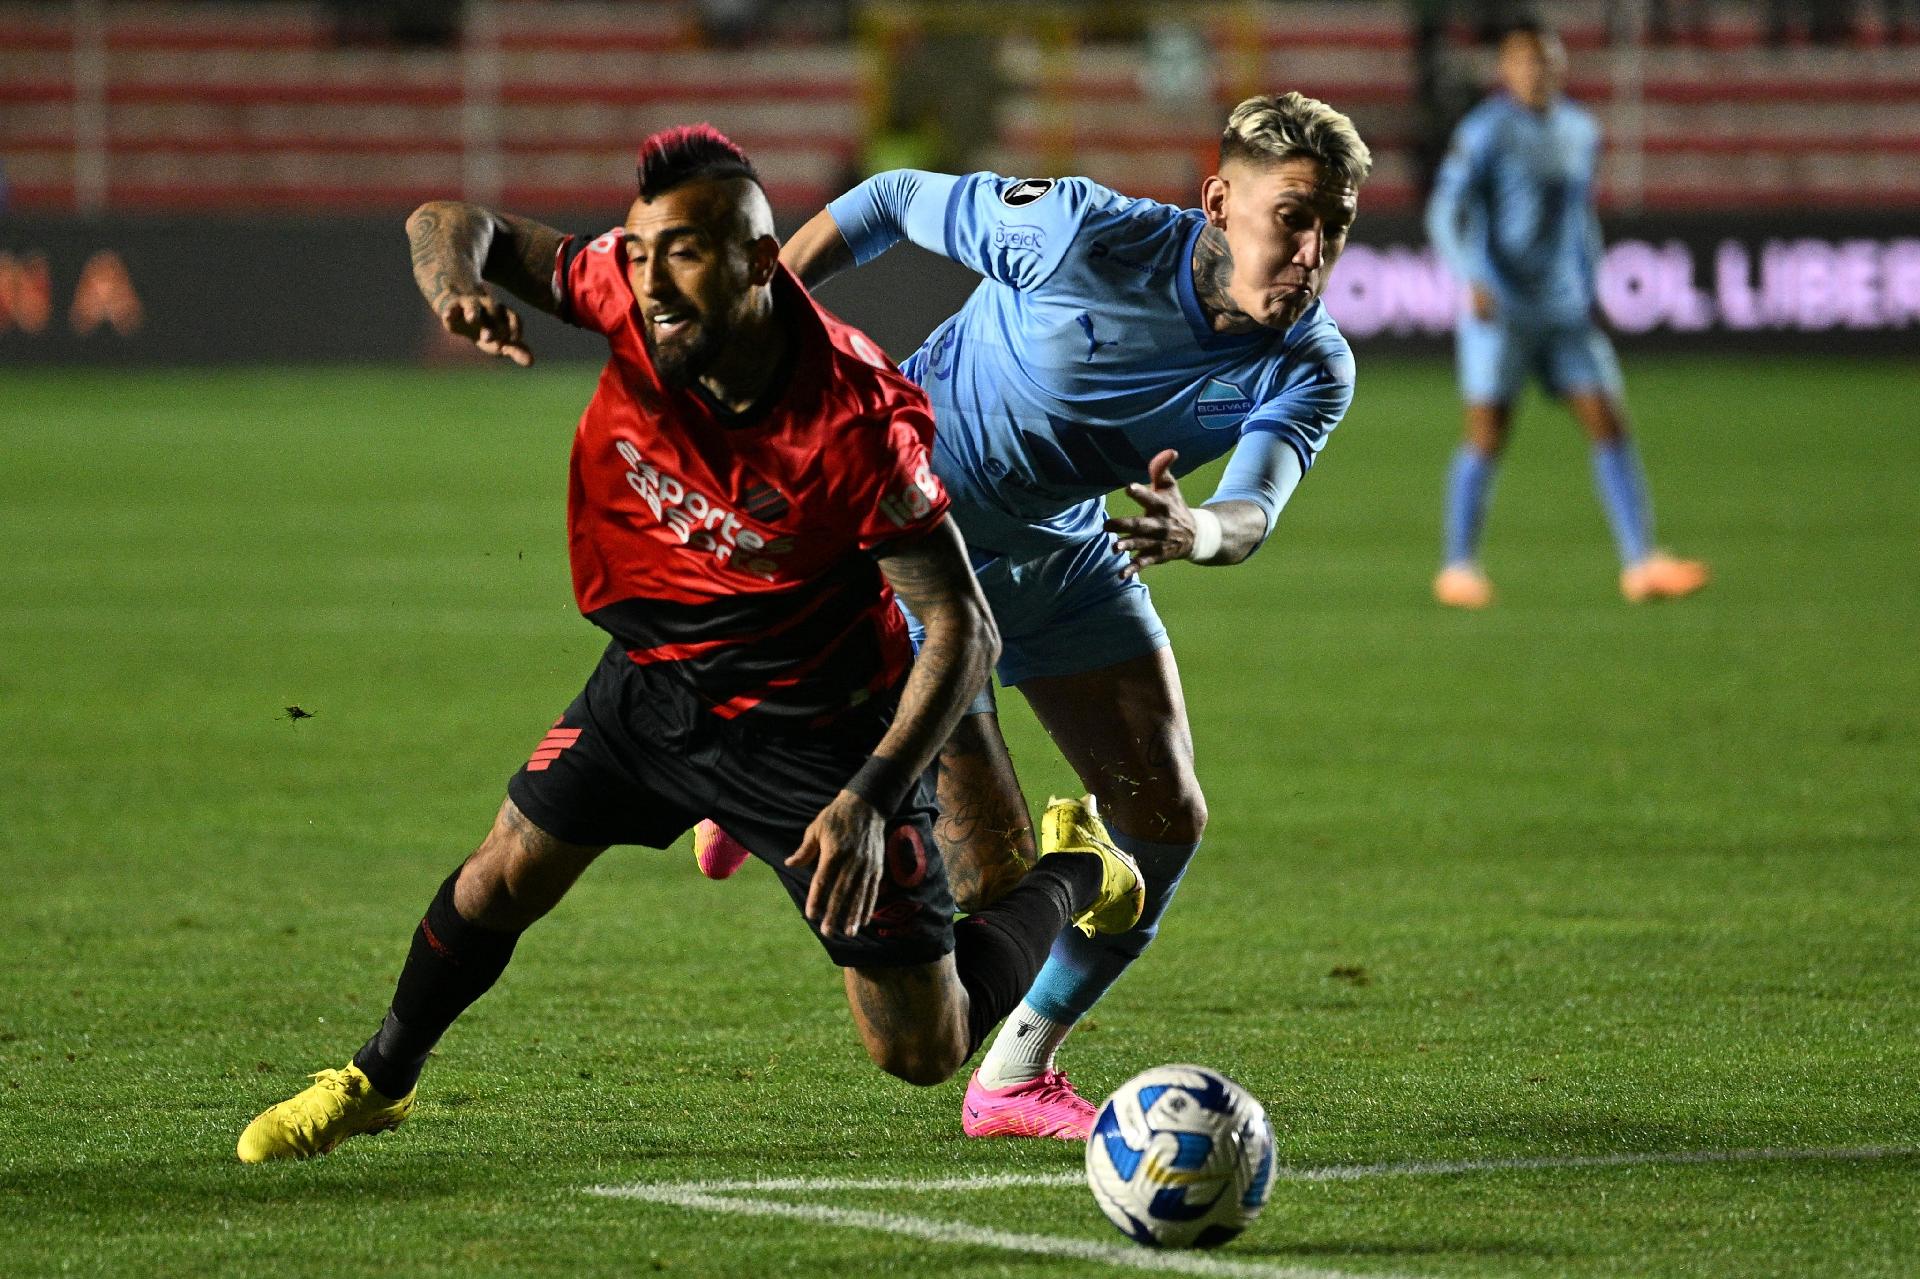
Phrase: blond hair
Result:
[1280,126]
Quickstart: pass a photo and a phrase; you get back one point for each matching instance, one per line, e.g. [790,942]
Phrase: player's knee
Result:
[518,873]
[1488,428]
[921,1062]
[1605,430]
[1169,808]
[1488,441]
[1178,816]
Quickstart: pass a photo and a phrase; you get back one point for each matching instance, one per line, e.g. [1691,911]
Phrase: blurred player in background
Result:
[750,487]
[1513,215]
[1114,342]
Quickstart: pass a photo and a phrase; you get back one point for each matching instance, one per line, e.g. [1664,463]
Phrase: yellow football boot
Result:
[340,1104]
[1074,826]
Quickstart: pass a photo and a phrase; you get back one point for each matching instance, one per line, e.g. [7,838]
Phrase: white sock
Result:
[1024,1048]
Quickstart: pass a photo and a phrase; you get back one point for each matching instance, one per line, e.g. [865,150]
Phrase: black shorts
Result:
[637,760]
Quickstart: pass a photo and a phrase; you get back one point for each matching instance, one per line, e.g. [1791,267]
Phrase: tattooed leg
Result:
[921,1022]
[913,1020]
[984,831]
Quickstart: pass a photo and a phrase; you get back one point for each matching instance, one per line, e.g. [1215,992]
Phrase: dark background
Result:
[223,290]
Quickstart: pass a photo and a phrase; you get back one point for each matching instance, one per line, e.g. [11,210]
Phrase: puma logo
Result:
[1093,342]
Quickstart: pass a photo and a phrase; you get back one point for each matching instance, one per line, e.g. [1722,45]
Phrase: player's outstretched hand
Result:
[1163,531]
[845,845]
[488,323]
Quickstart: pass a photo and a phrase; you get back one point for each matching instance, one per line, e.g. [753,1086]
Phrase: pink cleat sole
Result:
[1043,1107]
[717,853]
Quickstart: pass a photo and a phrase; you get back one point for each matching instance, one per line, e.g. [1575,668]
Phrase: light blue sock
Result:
[1623,492]
[1081,968]
[1469,481]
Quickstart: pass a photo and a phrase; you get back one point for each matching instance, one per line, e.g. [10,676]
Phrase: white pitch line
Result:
[722,1197]
[1336,1172]
[1126,1256]
[1357,1172]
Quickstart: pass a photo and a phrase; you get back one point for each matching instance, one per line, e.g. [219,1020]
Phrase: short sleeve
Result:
[590,279]
[899,495]
[1015,231]
[1309,402]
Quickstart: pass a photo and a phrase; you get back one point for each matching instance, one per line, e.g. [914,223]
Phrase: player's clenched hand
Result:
[488,323]
[846,845]
[1163,530]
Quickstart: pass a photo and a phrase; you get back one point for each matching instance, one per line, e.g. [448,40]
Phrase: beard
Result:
[682,360]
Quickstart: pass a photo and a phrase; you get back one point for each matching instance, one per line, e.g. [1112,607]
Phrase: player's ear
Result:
[763,259]
[1213,200]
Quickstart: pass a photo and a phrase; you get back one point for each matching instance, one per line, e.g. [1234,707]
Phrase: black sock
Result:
[999,950]
[452,962]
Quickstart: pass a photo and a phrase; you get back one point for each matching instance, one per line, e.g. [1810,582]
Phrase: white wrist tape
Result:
[1206,535]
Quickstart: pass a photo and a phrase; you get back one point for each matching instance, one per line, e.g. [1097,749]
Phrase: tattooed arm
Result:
[457,246]
[930,572]
[932,575]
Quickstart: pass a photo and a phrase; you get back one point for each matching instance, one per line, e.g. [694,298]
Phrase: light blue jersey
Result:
[1512,207]
[1512,211]
[1084,352]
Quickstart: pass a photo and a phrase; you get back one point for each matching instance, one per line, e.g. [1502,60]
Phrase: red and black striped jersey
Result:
[735,555]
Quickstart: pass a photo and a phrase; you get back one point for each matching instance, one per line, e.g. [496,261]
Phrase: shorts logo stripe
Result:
[556,741]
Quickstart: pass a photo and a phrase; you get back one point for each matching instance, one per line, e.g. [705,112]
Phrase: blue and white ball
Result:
[1181,1157]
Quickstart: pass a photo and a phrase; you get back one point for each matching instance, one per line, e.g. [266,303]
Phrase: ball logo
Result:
[1024,191]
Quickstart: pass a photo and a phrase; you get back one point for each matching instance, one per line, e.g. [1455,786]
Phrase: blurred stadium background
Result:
[1761,182]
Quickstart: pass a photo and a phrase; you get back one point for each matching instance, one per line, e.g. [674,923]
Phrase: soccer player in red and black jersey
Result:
[750,488]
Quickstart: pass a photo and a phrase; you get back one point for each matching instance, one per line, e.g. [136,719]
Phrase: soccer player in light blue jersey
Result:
[1513,214]
[1112,343]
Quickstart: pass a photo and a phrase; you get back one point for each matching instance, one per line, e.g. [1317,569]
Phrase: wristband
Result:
[1206,535]
[882,783]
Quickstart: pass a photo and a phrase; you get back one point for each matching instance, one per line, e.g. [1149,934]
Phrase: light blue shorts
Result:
[1064,613]
[1497,357]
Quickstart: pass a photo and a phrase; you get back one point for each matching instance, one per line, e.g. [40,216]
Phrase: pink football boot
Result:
[717,853]
[1043,1107]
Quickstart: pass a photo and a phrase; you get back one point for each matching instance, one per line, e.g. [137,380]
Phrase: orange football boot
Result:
[1662,577]
[1463,585]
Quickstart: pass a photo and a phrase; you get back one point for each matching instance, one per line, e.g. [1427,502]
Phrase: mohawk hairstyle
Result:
[679,155]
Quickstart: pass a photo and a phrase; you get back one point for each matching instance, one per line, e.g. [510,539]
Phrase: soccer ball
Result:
[1181,1157]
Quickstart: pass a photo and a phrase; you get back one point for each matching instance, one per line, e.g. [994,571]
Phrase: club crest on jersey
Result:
[703,524]
[1221,405]
[1024,191]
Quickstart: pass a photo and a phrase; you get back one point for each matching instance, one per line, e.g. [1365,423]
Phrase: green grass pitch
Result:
[1568,878]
